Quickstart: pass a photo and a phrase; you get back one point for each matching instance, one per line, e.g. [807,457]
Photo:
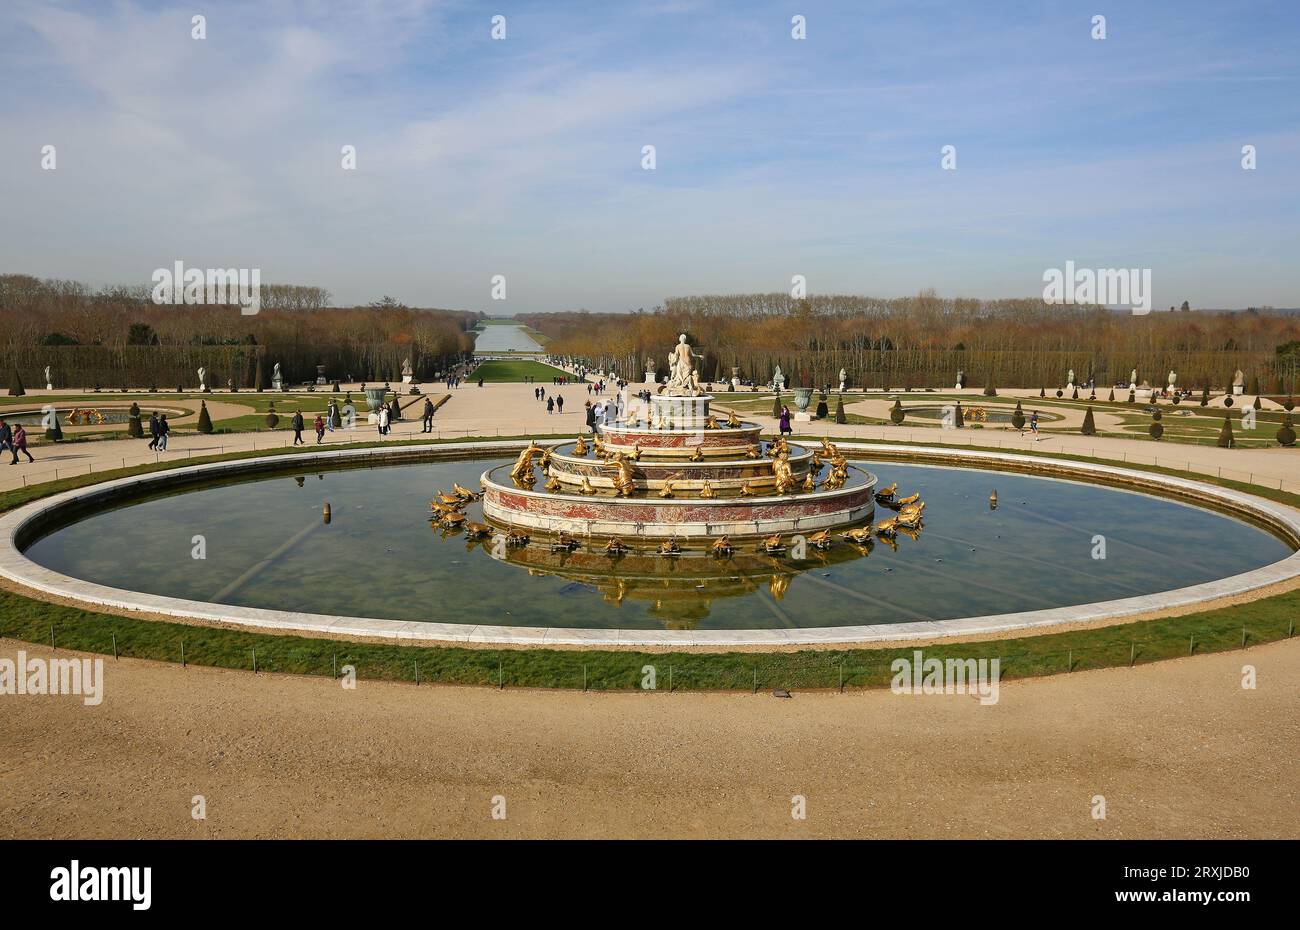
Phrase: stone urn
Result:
[802,398]
[374,400]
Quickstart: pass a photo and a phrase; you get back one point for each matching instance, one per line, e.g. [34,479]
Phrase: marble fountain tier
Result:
[671,469]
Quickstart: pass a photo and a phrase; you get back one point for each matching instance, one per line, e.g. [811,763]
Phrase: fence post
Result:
[841,678]
[584,677]
[182,653]
[501,681]
[1243,637]
[670,677]
[255,661]
[756,679]
[1069,661]
[114,645]
[334,665]
[1191,644]
[1132,654]
[53,648]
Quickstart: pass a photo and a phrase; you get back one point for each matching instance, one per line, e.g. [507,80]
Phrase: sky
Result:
[774,156]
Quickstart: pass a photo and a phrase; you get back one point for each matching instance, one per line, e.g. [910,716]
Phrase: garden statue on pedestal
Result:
[49,382]
[277,380]
[650,377]
[1069,382]
[1133,380]
[961,379]
[683,381]
[778,380]
[1238,383]
[407,371]
[203,373]
[844,377]
[1172,378]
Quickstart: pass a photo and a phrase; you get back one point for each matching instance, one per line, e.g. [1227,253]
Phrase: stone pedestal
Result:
[1238,389]
[803,416]
[406,379]
[1132,386]
[49,386]
[650,377]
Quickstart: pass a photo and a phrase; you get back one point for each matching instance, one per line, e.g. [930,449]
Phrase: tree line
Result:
[923,341]
[115,337]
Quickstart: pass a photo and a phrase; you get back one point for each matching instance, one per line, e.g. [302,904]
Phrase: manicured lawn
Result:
[502,370]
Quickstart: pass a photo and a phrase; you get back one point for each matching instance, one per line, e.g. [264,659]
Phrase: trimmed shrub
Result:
[133,427]
[1132,397]
[1075,395]
[1060,393]
[839,410]
[272,419]
[1286,435]
[1205,396]
[1254,385]
[1156,430]
[1042,392]
[1112,395]
[896,413]
[776,407]
[990,391]
[205,421]
[1225,434]
[16,388]
[1289,404]
[1227,401]
[1089,428]
[1018,417]
[54,433]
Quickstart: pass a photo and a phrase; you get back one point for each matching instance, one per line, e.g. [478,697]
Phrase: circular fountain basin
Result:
[721,474]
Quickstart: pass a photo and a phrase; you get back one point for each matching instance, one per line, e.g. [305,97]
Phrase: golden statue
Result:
[711,422]
[698,454]
[772,544]
[552,484]
[809,482]
[580,447]
[615,546]
[722,546]
[821,540]
[636,452]
[754,451]
[586,487]
[667,489]
[669,547]
[477,530]
[886,527]
[524,464]
[910,499]
[545,460]
[464,494]
[564,543]
[859,534]
[453,518]
[732,419]
[624,481]
[747,489]
[828,448]
[707,491]
[451,500]
[783,474]
[887,494]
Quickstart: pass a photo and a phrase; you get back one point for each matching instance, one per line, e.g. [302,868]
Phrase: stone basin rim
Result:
[1282,519]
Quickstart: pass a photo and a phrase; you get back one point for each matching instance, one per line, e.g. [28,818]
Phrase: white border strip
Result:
[18,568]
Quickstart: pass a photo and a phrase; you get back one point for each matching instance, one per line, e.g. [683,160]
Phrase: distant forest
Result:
[924,341]
[115,337]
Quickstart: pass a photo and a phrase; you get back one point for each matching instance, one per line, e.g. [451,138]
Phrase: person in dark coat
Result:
[785,420]
[153,430]
[320,429]
[20,444]
[428,416]
[297,428]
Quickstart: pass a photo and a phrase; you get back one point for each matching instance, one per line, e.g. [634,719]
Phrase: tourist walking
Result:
[331,412]
[428,416]
[6,436]
[153,430]
[785,419]
[320,429]
[164,428]
[1033,425]
[383,421]
[298,425]
[20,444]
[559,403]
[550,405]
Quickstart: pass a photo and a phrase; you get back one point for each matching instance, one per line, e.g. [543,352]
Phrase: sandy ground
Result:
[1178,749]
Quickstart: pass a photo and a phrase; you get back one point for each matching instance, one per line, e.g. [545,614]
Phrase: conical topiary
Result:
[1205,396]
[1018,417]
[394,411]
[1286,435]
[1089,428]
[133,427]
[1112,395]
[16,388]
[1225,434]
[205,421]
[1254,384]
[896,413]
[54,432]
[1042,392]
[1075,395]
[776,407]
[839,410]
[990,390]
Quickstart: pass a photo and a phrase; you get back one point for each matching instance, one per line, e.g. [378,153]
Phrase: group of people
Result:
[603,412]
[554,402]
[14,439]
[159,430]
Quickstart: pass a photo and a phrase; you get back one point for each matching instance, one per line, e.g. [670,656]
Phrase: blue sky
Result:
[775,157]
